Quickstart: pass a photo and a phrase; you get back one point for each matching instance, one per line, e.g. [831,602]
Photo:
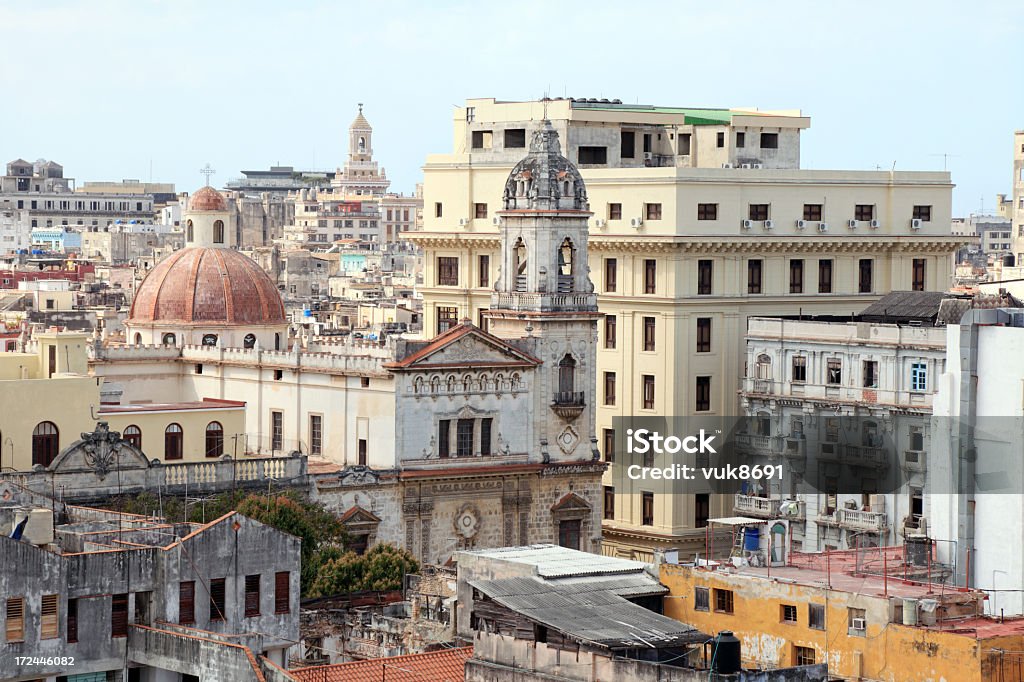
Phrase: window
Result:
[720,140]
[816,616]
[438,209]
[72,628]
[278,374]
[702,397]
[316,434]
[481,139]
[918,377]
[198,369]
[217,609]
[609,502]
[609,388]
[614,211]
[650,275]
[218,232]
[701,510]
[788,613]
[799,369]
[486,429]
[649,333]
[214,439]
[870,374]
[741,140]
[757,211]
[611,274]
[594,156]
[704,271]
[187,602]
[361,452]
[119,615]
[281,601]
[864,280]
[447,317]
[707,211]
[703,334]
[647,509]
[447,271]
[652,211]
[610,323]
[754,276]
[609,445]
[647,380]
[701,599]
[515,138]
[803,655]
[834,371]
[249,341]
[276,430]
[252,596]
[173,441]
[479,211]
[769,140]
[464,438]
[923,213]
[918,280]
[627,148]
[723,601]
[856,621]
[443,437]
[864,212]
[684,144]
[812,212]
[569,533]
[15,619]
[189,231]
[484,271]
[825,276]
[796,276]
[45,443]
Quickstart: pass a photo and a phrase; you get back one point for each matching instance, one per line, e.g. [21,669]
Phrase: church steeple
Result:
[360,176]
[360,137]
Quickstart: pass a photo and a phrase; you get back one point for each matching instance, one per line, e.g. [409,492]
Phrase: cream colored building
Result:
[701,219]
[1017,209]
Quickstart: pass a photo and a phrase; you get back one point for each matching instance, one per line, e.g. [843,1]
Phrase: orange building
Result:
[865,626]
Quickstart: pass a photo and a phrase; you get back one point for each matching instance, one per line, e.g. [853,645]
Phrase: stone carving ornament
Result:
[101,448]
[467,521]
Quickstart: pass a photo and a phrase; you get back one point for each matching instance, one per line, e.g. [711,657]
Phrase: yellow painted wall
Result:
[193,423]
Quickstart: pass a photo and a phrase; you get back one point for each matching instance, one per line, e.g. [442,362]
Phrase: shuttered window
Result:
[281,601]
[48,620]
[119,615]
[15,619]
[252,595]
[217,599]
[187,602]
[72,621]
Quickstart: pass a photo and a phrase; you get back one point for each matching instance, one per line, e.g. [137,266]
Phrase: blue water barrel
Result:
[751,539]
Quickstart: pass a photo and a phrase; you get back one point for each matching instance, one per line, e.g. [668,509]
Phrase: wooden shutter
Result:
[15,619]
[119,616]
[48,617]
[217,599]
[252,595]
[281,600]
[187,602]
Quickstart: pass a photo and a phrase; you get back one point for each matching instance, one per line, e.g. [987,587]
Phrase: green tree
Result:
[382,568]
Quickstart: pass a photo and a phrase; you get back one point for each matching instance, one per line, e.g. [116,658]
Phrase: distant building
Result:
[1018,196]
[278,180]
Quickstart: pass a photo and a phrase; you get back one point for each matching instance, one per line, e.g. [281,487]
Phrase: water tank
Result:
[751,539]
[726,654]
[910,612]
[1008,261]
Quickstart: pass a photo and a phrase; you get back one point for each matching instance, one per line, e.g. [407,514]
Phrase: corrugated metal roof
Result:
[914,305]
[553,561]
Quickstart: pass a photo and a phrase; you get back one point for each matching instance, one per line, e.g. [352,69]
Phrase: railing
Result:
[864,455]
[533,301]
[862,520]
[569,399]
[761,507]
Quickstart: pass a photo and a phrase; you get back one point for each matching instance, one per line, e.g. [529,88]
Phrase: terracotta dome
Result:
[207,199]
[207,286]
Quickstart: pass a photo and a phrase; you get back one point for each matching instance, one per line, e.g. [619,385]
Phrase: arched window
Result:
[189,232]
[519,256]
[249,341]
[565,258]
[214,439]
[168,339]
[45,443]
[566,374]
[138,339]
[277,341]
[133,435]
[209,339]
[173,442]
[218,232]
[763,367]
[764,424]
[362,143]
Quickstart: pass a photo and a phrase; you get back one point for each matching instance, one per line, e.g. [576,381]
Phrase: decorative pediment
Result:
[358,474]
[358,515]
[465,347]
[571,502]
[99,452]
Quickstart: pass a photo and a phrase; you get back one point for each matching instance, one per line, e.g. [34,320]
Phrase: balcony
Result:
[766,508]
[852,519]
[865,456]
[568,404]
[915,460]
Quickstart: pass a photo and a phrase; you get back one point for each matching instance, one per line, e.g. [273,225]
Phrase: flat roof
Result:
[552,561]
[133,408]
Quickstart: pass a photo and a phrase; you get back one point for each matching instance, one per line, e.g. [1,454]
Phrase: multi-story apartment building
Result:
[701,219]
[1017,210]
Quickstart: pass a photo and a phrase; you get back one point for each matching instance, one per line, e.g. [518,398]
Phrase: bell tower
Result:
[360,137]
[544,296]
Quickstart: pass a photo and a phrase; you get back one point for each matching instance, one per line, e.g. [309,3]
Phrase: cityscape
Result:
[533,386]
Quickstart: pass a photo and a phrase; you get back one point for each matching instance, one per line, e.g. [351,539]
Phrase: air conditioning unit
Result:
[726,165]
[915,224]
[858,624]
[648,156]
[746,165]
[600,222]
[636,222]
[876,223]
[463,222]
[822,227]
[496,220]
[851,223]
[801,224]
[769,224]
[746,224]
[758,165]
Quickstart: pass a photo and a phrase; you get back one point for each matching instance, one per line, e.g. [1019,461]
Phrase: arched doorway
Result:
[45,443]
[133,435]
[173,437]
[214,439]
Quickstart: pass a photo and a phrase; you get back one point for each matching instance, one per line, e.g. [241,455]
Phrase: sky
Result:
[156,90]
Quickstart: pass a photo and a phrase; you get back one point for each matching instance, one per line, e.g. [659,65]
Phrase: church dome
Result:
[207,199]
[544,179]
[207,286]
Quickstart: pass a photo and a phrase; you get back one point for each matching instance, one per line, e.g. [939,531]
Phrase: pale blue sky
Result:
[106,87]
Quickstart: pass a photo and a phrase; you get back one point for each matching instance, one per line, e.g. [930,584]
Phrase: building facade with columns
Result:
[701,219]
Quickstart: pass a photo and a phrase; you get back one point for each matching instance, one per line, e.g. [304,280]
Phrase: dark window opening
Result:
[754,276]
[443,437]
[702,397]
[796,276]
[647,381]
[594,156]
[650,275]
[704,273]
[864,279]
[864,212]
[812,212]
[650,332]
[825,276]
[252,596]
[515,138]
[610,323]
[707,211]
[611,272]
[628,138]
[757,212]
[703,334]
[701,510]
[647,509]
[217,610]
[119,615]
[918,282]
[609,445]
[769,140]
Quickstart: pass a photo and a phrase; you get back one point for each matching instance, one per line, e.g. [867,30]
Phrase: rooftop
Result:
[446,665]
[552,561]
[204,404]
